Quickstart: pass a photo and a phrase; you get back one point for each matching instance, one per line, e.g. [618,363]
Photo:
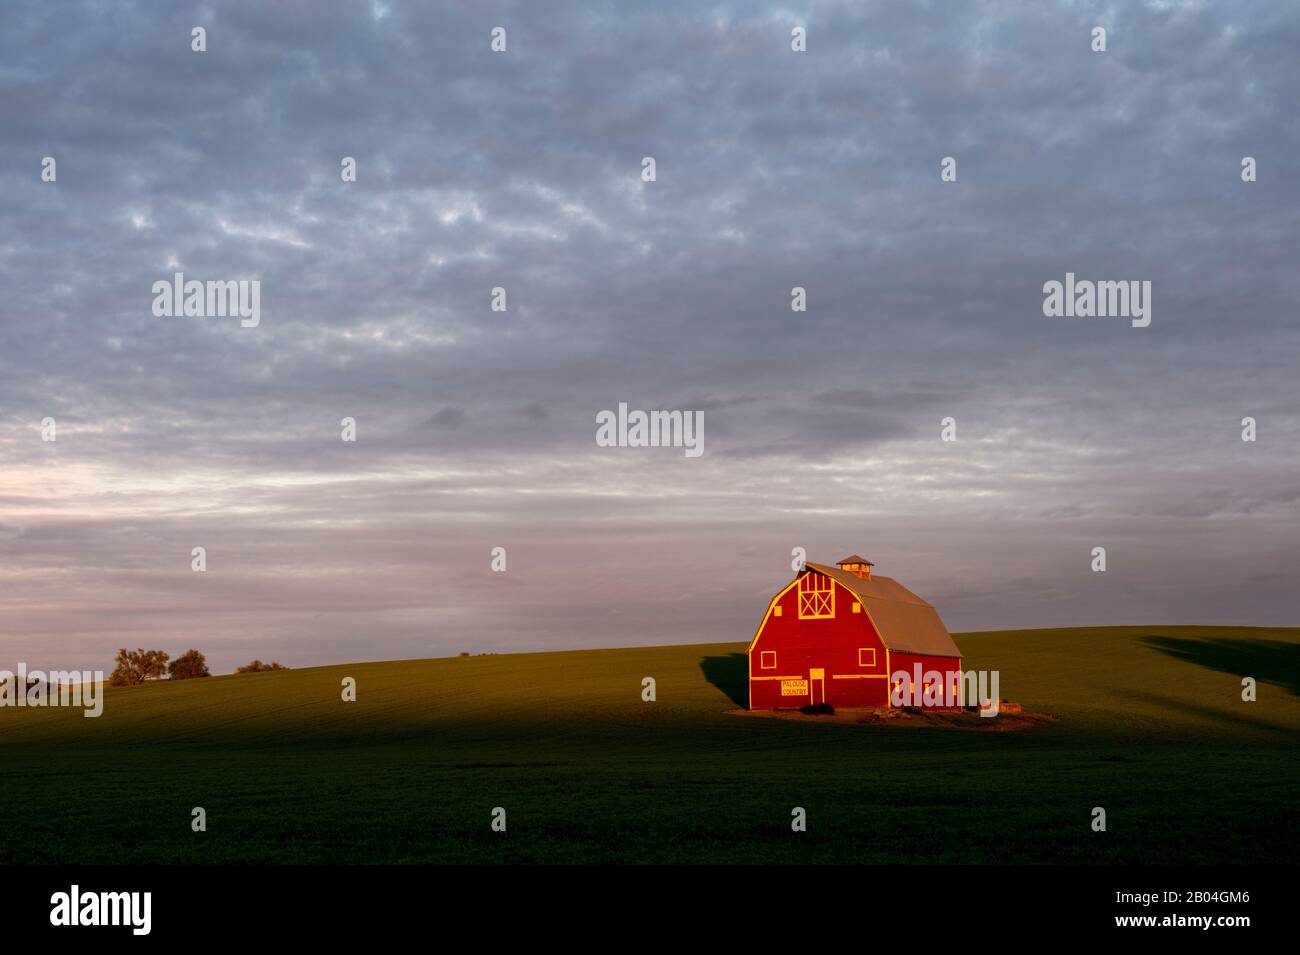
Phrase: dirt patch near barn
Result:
[949,719]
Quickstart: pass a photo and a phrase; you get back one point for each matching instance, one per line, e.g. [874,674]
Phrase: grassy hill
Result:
[1150,726]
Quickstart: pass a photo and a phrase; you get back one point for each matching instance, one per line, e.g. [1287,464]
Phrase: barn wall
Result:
[829,644]
[906,662]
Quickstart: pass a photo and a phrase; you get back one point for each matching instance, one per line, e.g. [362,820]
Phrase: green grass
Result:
[1151,726]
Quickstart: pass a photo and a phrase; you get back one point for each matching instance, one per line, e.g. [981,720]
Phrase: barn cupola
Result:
[858,566]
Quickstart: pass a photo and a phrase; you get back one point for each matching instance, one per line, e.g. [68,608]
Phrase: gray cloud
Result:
[475,427]
[446,418]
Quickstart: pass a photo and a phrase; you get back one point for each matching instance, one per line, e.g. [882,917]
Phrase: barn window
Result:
[816,596]
[866,656]
[776,611]
[767,659]
[857,607]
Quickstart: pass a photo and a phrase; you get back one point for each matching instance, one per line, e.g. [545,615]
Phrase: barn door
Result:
[817,685]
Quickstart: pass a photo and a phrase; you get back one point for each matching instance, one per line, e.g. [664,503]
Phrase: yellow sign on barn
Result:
[794,687]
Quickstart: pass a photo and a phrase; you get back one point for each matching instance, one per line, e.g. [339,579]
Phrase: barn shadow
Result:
[730,674]
[1268,661]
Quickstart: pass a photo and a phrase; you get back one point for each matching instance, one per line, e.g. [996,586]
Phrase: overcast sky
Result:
[522,169]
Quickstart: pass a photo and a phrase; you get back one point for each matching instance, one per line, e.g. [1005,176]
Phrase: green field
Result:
[1150,726]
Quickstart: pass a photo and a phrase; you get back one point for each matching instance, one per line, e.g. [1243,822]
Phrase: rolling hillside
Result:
[1150,726]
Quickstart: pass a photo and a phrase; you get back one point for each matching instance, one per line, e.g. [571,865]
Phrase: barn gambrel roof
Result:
[905,622]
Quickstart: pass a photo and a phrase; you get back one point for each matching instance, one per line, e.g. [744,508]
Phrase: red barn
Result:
[837,634]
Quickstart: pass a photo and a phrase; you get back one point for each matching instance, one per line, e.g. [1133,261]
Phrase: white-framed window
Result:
[816,596]
[767,659]
[866,656]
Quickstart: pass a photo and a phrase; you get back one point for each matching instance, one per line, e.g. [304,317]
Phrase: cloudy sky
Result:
[522,170]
